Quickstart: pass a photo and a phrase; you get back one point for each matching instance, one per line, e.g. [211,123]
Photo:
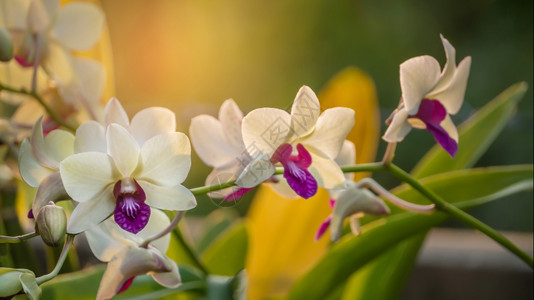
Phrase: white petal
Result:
[28,113]
[398,128]
[327,173]
[41,13]
[450,128]
[59,64]
[39,147]
[16,11]
[91,77]
[88,214]
[331,130]
[30,170]
[152,121]
[86,175]
[90,137]
[256,172]
[453,96]
[304,112]
[158,222]
[78,25]
[114,113]
[347,156]
[123,148]
[264,129]
[449,69]
[168,279]
[168,197]
[230,117]
[207,137]
[166,159]
[59,144]
[103,245]
[418,76]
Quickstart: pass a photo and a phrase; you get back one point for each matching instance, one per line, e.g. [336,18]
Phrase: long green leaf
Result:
[226,255]
[392,268]
[465,187]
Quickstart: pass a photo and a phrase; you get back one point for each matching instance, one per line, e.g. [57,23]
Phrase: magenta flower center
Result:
[131,213]
[296,169]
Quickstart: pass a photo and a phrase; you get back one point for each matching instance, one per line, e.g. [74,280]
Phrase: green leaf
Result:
[475,136]
[466,188]
[84,285]
[215,223]
[226,255]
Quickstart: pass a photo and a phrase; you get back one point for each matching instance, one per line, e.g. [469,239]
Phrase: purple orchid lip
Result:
[237,194]
[125,285]
[296,169]
[131,213]
[432,113]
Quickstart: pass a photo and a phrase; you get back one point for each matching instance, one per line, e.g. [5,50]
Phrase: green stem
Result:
[47,108]
[168,229]
[16,239]
[459,214]
[42,279]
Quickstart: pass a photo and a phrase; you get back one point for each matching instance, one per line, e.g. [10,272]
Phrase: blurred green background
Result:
[192,55]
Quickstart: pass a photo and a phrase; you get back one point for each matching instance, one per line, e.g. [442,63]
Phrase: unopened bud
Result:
[51,224]
[6,45]
[13,281]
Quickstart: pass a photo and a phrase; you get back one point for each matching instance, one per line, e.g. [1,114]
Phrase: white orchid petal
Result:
[91,77]
[256,172]
[166,159]
[78,25]
[123,148]
[39,147]
[418,76]
[347,156]
[31,171]
[115,113]
[207,137]
[152,121]
[331,130]
[304,112]
[41,13]
[86,175]
[264,129]
[59,144]
[168,279]
[325,170]
[88,214]
[230,117]
[168,197]
[222,175]
[398,128]
[283,189]
[15,17]
[102,243]
[90,137]
[59,64]
[449,69]
[453,96]
[158,222]
[450,128]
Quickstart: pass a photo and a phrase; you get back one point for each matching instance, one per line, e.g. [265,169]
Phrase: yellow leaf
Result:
[281,231]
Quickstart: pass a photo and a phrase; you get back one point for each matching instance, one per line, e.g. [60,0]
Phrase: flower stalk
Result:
[68,242]
[16,239]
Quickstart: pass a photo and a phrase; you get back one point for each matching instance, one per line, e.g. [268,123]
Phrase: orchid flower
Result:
[39,160]
[219,144]
[429,97]
[304,142]
[50,33]
[127,259]
[126,168]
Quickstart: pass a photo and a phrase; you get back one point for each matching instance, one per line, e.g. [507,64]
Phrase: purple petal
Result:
[303,159]
[331,202]
[282,153]
[323,227]
[237,194]
[30,214]
[126,285]
[300,180]
[432,113]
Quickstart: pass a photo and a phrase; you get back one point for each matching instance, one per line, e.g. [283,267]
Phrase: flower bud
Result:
[51,224]
[13,281]
[6,45]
